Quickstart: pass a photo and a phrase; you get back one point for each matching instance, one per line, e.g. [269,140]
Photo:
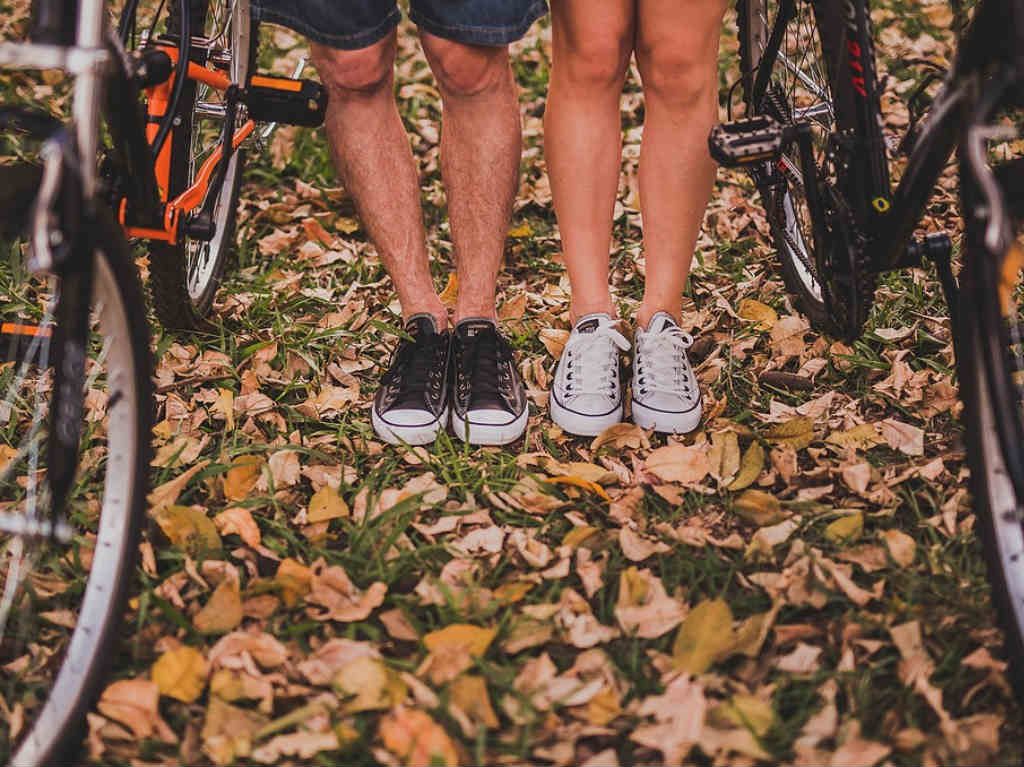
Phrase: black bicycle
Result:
[160,117]
[813,144]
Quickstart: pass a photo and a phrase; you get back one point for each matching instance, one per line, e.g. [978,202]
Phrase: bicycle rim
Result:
[60,604]
[226,30]
[992,373]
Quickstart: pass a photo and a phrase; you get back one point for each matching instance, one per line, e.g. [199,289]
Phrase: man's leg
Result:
[372,154]
[677,53]
[592,43]
[480,151]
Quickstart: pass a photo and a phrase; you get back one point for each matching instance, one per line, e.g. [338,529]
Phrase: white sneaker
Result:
[666,396]
[586,396]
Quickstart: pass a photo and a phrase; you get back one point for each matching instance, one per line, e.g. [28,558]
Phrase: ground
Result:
[798,582]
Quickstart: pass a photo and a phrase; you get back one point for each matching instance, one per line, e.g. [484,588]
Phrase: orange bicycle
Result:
[203,101]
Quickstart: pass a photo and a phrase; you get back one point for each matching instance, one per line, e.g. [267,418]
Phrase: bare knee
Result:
[675,76]
[466,70]
[599,61]
[353,73]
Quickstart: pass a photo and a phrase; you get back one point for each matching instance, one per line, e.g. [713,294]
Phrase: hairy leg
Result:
[592,44]
[677,54]
[372,154]
[481,142]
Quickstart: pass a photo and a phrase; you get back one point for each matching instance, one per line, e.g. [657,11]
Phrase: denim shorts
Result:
[355,24]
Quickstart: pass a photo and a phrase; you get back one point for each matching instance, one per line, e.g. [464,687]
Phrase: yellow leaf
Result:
[241,478]
[797,432]
[603,707]
[472,639]
[188,528]
[750,467]
[346,225]
[369,685]
[7,453]
[294,580]
[759,508]
[181,673]
[902,548]
[224,407]
[450,294]
[586,484]
[326,504]
[469,693]
[861,437]
[845,529]
[577,535]
[748,711]
[223,612]
[416,739]
[521,232]
[591,472]
[510,593]
[755,311]
[705,637]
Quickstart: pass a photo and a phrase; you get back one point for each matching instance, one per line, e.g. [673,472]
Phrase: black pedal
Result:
[745,142]
[286,101]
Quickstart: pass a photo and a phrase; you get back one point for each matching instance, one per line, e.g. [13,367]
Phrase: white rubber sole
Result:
[582,425]
[488,433]
[666,423]
[408,435]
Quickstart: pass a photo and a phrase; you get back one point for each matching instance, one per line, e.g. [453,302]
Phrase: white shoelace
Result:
[662,361]
[592,363]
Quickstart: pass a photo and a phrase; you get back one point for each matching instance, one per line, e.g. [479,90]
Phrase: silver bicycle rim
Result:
[97,608]
[201,266]
[809,80]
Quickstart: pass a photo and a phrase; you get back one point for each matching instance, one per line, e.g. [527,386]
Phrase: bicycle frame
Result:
[104,75]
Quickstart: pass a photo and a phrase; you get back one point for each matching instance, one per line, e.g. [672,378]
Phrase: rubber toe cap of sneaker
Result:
[408,418]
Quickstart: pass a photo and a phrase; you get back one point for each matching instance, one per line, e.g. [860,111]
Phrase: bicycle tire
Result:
[824,264]
[183,293]
[994,432]
[55,734]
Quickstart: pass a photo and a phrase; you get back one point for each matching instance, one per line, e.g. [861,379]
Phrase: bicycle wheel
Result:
[184,277]
[991,370]
[62,598]
[823,258]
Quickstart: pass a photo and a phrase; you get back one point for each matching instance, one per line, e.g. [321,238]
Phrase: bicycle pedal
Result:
[745,142]
[286,100]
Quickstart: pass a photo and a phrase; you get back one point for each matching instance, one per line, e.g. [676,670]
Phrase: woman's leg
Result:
[593,41]
[677,54]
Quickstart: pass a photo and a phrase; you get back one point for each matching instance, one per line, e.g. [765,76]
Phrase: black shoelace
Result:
[419,369]
[484,367]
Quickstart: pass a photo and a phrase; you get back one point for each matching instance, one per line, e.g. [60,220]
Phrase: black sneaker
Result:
[489,401]
[411,405]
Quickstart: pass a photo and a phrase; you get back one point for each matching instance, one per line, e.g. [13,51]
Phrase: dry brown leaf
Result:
[643,608]
[902,548]
[242,477]
[416,739]
[338,598]
[238,521]
[223,612]
[684,464]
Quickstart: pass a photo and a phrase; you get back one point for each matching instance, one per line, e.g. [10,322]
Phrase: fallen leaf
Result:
[326,504]
[181,673]
[755,311]
[902,548]
[367,684]
[759,508]
[797,433]
[705,636]
[238,521]
[242,477]
[684,464]
[845,529]
[188,528]
[223,611]
[416,739]
[750,467]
